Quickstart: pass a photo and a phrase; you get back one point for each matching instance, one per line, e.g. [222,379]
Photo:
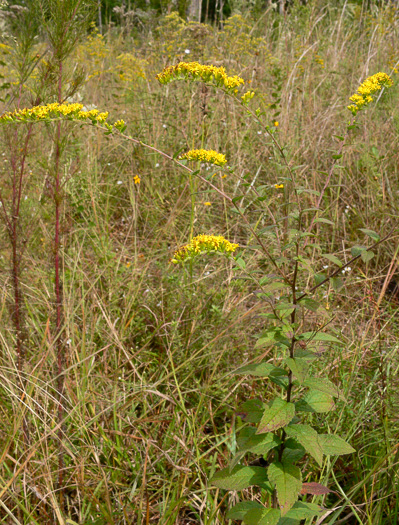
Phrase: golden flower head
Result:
[55,111]
[136,179]
[204,244]
[213,75]
[203,155]
[369,87]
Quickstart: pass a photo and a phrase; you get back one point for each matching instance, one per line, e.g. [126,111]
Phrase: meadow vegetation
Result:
[119,398]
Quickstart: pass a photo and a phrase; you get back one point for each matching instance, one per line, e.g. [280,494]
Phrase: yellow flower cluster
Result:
[216,76]
[204,244]
[54,111]
[247,97]
[369,87]
[203,155]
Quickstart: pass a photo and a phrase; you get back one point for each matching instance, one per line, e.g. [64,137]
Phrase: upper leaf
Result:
[287,479]
[252,410]
[299,367]
[333,445]
[257,444]
[315,401]
[278,414]
[319,336]
[238,511]
[261,370]
[262,517]
[308,438]
[323,385]
[239,478]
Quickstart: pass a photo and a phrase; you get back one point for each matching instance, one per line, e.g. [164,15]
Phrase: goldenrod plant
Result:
[280,429]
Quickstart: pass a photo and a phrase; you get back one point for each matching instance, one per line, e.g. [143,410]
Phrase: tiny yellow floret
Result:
[203,155]
[204,244]
[207,203]
[369,87]
[136,179]
[279,186]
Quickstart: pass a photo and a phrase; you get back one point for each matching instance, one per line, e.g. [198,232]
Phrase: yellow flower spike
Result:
[247,97]
[203,155]
[204,244]
[279,186]
[207,203]
[216,76]
[369,87]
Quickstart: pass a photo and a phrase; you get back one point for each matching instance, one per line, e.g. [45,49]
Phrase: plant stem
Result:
[58,300]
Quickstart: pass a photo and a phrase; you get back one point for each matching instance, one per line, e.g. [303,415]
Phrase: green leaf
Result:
[307,437]
[302,510]
[241,477]
[315,401]
[370,233]
[319,336]
[333,445]
[299,367]
[337,156]
[261,370]
[324,385]
[287,479]
[257,444]
[310,304]
[357,250]
[337,283]
[319,278]
[278,414]
[252,410]
[293,451]
[367,255]
[238,511]
[241,263]
[333,259]
[262,517]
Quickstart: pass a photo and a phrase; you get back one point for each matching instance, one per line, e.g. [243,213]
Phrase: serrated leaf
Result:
[333,259]
[241,477]
[261,370]
[252,410]
[302,510]
[262,517]
[324,385]
[278,414]
[315,401]
[367,255]
[299,367]
[319,336]
[244,435]
[308,438]
[316,489]
[257,444]
[319,278]
[288,521]
[370,233]
[287,479]
[238,511]
[333,445]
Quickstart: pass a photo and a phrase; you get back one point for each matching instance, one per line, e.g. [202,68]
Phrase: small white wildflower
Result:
[325,267]
[26,197]
[120,182]
[164,126]
[68,342]
[259,133]
[157,165]
[187,51]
